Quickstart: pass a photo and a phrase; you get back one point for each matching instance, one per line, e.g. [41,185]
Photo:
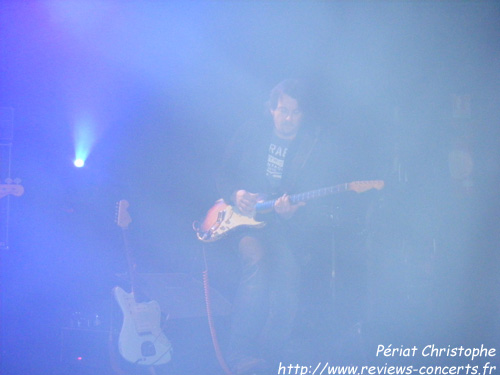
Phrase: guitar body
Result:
[141,340]
[221,219]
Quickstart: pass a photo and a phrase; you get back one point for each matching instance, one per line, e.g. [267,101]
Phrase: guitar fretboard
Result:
[302,197]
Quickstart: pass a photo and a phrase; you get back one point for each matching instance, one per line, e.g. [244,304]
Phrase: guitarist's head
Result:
[286,105]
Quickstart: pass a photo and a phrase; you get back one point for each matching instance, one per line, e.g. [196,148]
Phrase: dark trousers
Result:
[266,300]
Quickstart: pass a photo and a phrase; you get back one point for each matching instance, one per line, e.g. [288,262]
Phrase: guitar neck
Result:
[123,220]
[302,197]
[132,268]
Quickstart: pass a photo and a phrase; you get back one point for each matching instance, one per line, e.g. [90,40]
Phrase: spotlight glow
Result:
[84,138]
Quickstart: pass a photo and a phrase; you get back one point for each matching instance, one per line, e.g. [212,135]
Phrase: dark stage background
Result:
[154,90]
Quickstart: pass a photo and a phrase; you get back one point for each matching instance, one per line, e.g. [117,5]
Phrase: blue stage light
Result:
[79,163]
[84,138]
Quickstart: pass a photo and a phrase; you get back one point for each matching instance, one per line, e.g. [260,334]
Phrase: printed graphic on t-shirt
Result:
[276,160]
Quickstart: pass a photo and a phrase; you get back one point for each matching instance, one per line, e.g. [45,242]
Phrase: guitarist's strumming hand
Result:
[285,208]
[245,201]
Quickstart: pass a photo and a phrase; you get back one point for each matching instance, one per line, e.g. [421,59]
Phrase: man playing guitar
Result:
[277,157]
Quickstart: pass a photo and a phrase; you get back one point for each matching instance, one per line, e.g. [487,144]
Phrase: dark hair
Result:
[291,87]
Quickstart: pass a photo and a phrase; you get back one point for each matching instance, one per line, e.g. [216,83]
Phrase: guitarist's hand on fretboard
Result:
[285,208]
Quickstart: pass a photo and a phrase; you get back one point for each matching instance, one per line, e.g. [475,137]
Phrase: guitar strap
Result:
[299,160]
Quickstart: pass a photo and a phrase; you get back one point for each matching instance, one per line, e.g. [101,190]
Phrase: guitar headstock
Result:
[10,188]
[362,186]
[123,218]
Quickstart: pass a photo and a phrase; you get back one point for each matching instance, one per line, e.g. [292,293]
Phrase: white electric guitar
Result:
[223,218]
[141,340]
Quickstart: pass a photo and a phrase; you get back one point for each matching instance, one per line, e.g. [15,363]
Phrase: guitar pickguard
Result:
[222,219]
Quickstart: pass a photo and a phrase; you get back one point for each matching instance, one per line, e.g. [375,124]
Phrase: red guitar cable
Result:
[211,324]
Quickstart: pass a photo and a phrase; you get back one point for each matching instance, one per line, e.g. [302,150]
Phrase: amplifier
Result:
[86,351]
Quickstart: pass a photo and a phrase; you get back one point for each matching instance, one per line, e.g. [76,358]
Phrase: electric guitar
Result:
[14,189]
[223,218]
[141,340]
